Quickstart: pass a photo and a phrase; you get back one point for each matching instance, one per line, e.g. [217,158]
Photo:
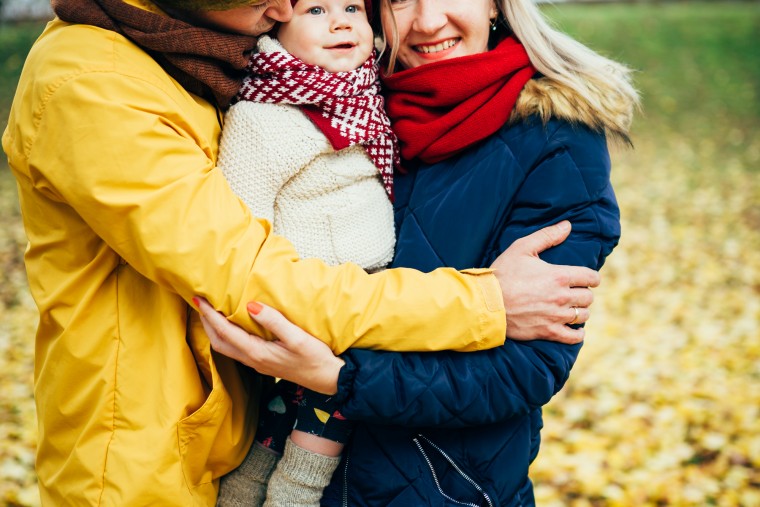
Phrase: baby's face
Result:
[333,34]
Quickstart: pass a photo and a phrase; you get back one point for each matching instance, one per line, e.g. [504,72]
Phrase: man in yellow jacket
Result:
[113,139]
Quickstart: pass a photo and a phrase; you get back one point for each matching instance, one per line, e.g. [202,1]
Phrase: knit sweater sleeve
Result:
[262,147]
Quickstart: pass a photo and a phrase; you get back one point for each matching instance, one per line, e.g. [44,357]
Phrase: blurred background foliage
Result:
[663,407]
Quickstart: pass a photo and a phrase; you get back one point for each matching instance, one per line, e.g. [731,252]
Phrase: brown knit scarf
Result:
[204,61]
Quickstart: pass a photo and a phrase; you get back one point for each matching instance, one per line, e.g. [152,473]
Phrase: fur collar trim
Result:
[546,98]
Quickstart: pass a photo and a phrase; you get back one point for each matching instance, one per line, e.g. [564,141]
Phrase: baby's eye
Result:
[352,9]
[316,11]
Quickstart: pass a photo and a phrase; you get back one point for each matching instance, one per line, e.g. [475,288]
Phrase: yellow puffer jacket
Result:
[128,219]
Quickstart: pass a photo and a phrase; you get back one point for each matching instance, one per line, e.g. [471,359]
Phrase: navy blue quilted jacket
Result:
[447,428]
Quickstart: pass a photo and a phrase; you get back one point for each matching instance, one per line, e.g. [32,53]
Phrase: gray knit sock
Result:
[300,478]
[246,486]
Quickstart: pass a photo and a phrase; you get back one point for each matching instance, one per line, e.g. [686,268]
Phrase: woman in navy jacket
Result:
[462,429]
[434,428]
[503,124]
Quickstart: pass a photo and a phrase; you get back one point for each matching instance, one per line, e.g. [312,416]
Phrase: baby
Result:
[308,146]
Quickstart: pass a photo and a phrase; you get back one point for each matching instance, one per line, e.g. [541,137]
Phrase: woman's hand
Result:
[295,355]
[543,299]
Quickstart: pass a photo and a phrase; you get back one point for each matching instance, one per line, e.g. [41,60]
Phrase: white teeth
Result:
[437,47]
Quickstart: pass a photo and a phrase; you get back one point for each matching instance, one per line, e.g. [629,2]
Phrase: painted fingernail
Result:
[254,307]
[197,302]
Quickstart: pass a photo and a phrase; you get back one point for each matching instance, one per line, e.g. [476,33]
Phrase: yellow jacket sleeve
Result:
[134,155]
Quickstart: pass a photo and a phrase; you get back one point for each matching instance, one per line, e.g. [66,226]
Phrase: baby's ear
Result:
[379,42]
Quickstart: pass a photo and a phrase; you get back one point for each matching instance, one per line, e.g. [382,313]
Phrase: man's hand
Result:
[543,299]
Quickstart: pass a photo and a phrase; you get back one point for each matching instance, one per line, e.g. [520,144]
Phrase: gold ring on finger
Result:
[575,319]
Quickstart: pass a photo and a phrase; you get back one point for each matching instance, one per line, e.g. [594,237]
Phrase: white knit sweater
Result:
[330,204]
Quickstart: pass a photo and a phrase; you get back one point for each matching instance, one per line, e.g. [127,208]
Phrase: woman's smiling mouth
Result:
[435,48]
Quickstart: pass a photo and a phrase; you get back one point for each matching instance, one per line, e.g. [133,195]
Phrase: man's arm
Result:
[151,192]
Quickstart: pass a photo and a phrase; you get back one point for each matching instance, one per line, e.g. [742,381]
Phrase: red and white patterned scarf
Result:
[345,106]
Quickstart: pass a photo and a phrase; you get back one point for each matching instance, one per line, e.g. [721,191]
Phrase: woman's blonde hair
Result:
[595,79]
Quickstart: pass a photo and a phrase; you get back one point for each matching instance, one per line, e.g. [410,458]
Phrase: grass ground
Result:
[17,315]
[663,407]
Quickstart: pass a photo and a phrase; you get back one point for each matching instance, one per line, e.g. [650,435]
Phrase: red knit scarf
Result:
[345,106]
[441,108]
[204,61]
